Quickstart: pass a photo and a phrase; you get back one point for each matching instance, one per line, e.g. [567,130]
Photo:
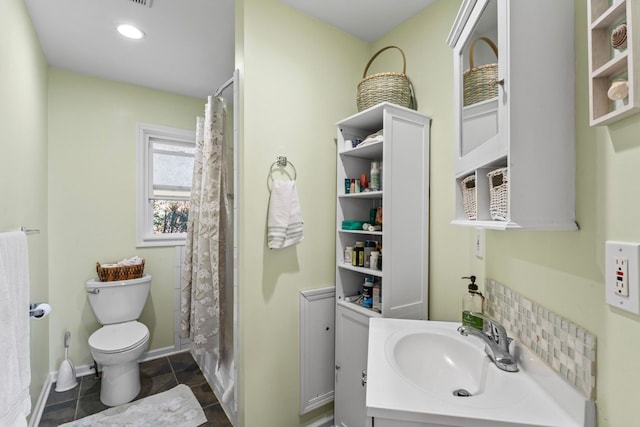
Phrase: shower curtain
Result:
[204,270]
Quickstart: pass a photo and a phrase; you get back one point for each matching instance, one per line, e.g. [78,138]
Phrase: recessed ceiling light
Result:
[130,31]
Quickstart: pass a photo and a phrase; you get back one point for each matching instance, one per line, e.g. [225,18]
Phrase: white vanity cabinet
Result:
[404,201]
[524,121]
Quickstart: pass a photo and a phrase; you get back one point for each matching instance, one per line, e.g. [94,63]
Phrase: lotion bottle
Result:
[472,302]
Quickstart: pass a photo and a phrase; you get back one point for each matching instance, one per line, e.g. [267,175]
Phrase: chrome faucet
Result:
[497,342]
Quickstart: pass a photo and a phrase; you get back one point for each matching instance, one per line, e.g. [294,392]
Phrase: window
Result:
[165,159]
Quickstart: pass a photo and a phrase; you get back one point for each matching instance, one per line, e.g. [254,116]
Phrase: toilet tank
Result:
[118,301]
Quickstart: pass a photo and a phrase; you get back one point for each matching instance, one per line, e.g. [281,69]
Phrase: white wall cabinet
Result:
[404,200]
[525,124]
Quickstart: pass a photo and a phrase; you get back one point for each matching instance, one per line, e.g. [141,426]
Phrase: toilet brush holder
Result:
[67,372]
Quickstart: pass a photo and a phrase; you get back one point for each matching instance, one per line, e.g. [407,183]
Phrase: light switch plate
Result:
[622,275]
[479,243]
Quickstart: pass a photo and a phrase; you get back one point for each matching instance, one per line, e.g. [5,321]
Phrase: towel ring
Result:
[281,162]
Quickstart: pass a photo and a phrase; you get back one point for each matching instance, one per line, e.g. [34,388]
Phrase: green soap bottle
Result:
[472,302]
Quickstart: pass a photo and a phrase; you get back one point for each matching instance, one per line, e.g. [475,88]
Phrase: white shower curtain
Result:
[204,270]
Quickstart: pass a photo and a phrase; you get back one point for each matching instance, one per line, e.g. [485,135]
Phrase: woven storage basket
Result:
[498,194]
[468,186]
[391,87]
[126,272]
[480,83]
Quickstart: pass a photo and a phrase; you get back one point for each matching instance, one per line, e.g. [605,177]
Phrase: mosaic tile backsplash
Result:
[563,345]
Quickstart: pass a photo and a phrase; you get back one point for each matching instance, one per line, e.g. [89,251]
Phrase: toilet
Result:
[122,340]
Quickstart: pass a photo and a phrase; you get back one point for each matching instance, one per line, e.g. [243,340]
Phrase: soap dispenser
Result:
[472,302]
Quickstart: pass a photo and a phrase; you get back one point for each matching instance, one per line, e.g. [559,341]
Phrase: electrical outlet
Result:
[622,277]
[622,273]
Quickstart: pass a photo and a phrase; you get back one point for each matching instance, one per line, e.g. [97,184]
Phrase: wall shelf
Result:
[608,64]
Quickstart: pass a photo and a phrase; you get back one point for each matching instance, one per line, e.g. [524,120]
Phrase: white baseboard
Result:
[84,370]
[36,412]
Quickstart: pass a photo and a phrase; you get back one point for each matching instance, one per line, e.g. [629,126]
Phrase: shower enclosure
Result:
[220,367]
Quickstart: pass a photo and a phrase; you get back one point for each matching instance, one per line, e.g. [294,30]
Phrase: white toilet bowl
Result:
[117,348]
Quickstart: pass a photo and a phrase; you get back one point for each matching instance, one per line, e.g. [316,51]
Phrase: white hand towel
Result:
[15,375]
[284,224]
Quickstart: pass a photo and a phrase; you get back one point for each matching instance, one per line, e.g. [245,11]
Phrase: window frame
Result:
[144,182]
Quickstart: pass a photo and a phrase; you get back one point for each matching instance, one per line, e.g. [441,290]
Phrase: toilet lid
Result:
[118,337]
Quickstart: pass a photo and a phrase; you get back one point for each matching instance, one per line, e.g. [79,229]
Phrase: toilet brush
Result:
[67,372]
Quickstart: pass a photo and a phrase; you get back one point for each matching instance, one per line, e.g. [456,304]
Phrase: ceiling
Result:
[367,20]
[189,45]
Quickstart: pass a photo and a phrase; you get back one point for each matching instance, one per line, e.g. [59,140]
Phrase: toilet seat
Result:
[119,337]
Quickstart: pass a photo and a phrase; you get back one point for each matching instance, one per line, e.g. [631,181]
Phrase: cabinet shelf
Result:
[371,151]
[362,195]
[614,67]
[359,309]
[615,13]
[361,232]
[364,271]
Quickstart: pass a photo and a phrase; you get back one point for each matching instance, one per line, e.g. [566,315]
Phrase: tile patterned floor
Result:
[155,376]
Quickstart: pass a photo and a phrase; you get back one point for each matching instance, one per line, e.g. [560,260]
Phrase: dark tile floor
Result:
[155,376]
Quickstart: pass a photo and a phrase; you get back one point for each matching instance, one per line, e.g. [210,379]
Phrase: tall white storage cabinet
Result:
[404,198]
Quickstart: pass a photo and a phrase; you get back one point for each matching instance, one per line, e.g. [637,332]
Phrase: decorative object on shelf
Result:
[618,90]
[619,37]
[468,186]
[498,193]
[392,87]
[480,83]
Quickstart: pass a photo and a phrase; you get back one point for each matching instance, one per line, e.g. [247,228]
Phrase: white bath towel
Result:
[15,375]
[284,225]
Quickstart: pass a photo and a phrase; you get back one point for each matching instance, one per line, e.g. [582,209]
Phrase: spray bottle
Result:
[472,302]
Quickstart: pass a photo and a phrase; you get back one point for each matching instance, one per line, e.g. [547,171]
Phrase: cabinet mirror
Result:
[479,81]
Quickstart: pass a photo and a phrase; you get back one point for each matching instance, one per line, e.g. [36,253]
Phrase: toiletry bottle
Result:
[374,181]
[472,302]
[367,292]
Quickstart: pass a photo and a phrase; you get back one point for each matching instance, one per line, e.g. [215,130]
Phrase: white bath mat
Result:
[177,407]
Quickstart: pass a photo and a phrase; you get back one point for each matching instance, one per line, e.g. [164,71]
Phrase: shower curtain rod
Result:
[224,86]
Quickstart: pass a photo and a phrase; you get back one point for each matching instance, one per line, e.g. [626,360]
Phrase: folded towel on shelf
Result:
[284,223]
[131,261]
[15,376]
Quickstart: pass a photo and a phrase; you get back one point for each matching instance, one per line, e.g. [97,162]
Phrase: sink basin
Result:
[439,363]
[417,369]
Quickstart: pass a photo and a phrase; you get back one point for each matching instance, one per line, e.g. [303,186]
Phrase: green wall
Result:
[92,200]
[299,78]
[23,161]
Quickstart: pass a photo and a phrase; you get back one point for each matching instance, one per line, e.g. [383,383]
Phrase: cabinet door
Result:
[480,58]
[405,216]
[352,337]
